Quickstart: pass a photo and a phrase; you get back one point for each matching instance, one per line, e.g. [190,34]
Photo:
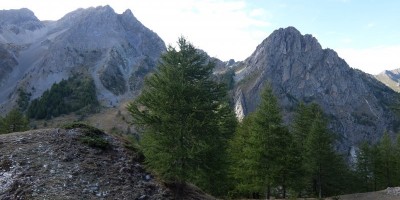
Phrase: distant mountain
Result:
[116,50]
[299,70]
[390,78]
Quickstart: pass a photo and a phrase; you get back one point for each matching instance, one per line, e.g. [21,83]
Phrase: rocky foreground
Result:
[59,164]
[56,164]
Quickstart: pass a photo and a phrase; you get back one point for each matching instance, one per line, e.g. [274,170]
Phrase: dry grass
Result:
[111,120]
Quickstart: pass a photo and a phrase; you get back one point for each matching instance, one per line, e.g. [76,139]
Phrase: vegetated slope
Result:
[390,78]
[116,50]
[299,70]
[76,163]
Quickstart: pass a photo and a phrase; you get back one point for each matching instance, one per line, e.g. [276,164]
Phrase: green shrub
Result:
[92,136]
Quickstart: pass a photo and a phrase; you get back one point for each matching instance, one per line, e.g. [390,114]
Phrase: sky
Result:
[366,33]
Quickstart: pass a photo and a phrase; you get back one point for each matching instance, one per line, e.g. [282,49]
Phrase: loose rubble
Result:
[54,164]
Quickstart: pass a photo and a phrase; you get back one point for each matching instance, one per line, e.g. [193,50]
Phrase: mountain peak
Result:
[289,29]
[105,9]
[128,12]
[299,70]
[23,18]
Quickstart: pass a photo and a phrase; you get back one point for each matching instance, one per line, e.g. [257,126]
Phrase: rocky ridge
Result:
[390,78]
[299,70]
[116,50]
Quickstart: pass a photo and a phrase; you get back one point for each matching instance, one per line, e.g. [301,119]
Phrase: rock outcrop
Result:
[64,164]
[299,70]
[56,164]
[390,78]
[116,50]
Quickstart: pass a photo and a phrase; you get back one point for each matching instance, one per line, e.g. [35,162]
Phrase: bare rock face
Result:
[390,78]
[114,49]
[299,70]
[19,21]
[8,62]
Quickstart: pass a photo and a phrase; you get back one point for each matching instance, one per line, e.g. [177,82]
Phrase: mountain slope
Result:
[116,50]
[299,70]
[64,164]
[390,78]
[54,163]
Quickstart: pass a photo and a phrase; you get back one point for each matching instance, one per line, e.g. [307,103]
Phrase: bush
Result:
[92,136]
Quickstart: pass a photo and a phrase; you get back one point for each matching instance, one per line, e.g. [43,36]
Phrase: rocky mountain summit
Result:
[299,70]
[116,50]
[17,22]
[390,78]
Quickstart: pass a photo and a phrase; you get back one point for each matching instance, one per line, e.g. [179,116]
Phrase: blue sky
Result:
[366,33]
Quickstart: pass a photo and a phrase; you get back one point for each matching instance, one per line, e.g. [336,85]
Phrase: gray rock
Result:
[299,70]
[390,78]
[116,50]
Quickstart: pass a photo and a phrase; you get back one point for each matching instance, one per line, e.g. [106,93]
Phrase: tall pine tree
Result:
[185,119]
[261,150]
[322,168]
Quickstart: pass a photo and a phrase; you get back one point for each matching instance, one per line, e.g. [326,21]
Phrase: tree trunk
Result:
[268,192]
[284,192]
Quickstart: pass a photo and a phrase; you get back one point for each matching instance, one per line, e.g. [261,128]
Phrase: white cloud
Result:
[370,59]
[371,25]
[224,29]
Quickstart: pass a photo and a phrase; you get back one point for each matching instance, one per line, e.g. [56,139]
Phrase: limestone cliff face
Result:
[115,49]
[299,70]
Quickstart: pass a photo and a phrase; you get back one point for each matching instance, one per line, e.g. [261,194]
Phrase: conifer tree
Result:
[262,159]
[14,121]
[397,160]
[364,166]
[244,160]
[322,168]
[2,125]
[388,160]
[184,119]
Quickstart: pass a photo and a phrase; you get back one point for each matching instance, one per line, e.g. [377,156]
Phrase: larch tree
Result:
[260,149]
[14,121]
[184,119]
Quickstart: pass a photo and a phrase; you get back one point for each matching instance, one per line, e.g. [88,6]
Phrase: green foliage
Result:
[378,165]
[14,121]
[78,93]
[366,166]
[92,136]
[323,170]
[23,99]
[95,141]
[185,120]
[85,127]
[262,150]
